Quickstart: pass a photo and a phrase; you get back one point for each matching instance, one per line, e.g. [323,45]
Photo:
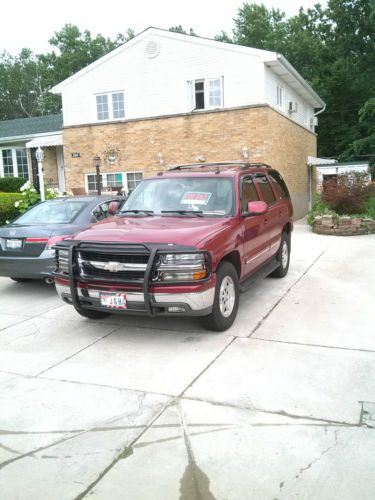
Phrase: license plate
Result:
[14,244]
[113,300]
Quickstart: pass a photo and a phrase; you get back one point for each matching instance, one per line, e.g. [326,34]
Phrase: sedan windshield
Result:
[52,212]
[182,196]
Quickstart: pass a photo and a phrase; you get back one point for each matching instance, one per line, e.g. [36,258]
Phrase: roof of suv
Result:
[227,168]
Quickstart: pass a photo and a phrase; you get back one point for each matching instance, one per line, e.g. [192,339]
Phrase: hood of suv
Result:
[188,231]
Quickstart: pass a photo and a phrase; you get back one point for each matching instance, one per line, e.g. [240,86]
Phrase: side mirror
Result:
[257,208]
[113,207]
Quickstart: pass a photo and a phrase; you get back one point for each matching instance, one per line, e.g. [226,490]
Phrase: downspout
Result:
[310,166]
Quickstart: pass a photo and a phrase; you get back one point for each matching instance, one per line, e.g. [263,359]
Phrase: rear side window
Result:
[249,193]
[265,188]
[279,185]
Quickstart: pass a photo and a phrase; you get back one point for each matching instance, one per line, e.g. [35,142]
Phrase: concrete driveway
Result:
[281,406]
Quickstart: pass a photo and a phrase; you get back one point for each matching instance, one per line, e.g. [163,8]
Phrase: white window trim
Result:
[14,159]
[205,80]
[110,106]
[282,94]
[104,178]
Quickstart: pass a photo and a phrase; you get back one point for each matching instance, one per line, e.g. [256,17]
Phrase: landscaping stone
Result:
[343,226]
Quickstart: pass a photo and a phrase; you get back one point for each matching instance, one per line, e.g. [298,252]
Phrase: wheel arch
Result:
[235,259]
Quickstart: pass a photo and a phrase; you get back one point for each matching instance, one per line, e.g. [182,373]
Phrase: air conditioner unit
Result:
[293,107]
[314,121]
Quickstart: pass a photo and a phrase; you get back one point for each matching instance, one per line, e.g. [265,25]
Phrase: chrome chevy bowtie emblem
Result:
[12,232]
[113,267]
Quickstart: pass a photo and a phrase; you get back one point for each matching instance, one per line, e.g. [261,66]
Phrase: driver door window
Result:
[249,193]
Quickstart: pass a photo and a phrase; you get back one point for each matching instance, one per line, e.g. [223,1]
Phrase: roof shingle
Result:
[30,126]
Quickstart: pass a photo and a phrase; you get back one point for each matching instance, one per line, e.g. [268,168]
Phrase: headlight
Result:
[182,267]
[62,262]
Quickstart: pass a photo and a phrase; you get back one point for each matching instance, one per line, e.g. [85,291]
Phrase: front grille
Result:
[90,262]
[103,257]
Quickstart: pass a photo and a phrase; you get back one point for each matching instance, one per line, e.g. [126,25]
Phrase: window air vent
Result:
[152,49]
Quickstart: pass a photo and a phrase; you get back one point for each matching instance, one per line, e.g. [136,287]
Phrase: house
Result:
[19,140]
[164,98]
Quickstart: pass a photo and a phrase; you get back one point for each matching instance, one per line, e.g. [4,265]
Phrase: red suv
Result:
[185,243]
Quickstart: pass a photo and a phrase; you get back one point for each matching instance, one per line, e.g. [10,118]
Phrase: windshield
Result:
[211,196]
[52,212]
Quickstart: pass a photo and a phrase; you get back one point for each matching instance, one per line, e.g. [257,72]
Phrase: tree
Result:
[26,79]
[363,148]
[24,89]
[180,29]
[256,26]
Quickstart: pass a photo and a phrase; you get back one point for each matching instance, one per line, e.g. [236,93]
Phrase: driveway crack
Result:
[259,324]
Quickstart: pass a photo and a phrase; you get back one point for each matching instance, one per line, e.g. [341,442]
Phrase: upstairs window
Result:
[118,106]
[110,106]
[102,107]
[280,96]
[199,94]
[207,93]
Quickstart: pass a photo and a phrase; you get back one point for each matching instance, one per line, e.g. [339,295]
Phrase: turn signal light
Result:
[199,275]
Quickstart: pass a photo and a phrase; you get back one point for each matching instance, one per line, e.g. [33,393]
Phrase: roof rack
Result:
[218,164]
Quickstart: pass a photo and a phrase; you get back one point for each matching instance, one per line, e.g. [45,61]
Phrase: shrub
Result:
[370,207]
[8,211]
[348,193]
[29,196]
[11,184]
[319,208]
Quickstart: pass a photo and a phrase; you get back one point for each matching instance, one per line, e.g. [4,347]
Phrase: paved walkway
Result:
[281,406]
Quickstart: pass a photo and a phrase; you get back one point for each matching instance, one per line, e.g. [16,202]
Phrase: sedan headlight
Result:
[182,267]
[62,262]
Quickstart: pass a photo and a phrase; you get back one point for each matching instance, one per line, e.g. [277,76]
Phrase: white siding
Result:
[158,86]
[305,111]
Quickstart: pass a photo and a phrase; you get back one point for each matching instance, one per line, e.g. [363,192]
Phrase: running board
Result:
[262,273]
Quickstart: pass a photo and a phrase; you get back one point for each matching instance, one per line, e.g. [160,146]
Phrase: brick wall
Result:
[50,167]
[216,135]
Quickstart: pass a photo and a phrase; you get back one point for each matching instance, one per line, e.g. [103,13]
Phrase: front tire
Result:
[91,314]
[283,256]
[226,299]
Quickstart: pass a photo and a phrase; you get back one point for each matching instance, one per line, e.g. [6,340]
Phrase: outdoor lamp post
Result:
[97,163]
[39,155]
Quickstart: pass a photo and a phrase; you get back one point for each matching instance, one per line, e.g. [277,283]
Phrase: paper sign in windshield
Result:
[195,198]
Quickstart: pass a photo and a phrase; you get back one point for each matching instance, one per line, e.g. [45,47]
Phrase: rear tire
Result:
[19,280]
[226,300]
[91,314]
[283,256]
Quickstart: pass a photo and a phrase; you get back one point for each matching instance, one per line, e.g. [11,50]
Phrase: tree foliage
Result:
[26,79]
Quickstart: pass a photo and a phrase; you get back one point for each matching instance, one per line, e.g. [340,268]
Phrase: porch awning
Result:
[312,160]
[46,141]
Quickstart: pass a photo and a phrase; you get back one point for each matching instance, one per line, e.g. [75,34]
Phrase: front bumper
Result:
[28,267]
[198,303]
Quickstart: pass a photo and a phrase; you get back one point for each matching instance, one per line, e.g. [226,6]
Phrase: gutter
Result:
[25,138]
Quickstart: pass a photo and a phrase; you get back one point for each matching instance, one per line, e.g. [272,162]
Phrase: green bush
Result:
[370,207]
[319,208]
[11,184]
[8,211]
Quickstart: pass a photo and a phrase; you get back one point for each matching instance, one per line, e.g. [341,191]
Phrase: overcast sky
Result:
[30,23]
